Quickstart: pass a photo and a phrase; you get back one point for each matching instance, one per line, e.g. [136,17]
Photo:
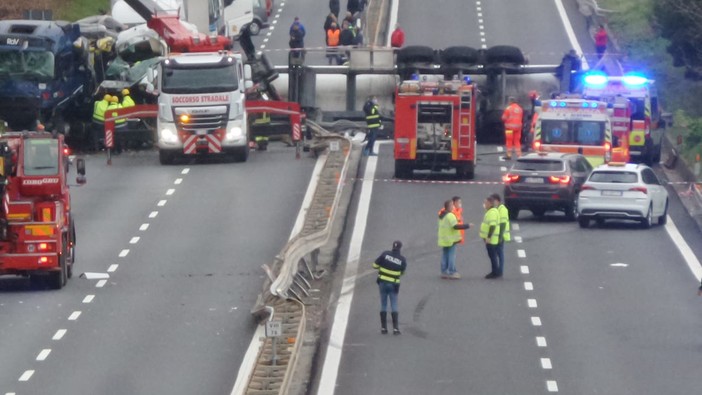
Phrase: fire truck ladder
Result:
[464,113]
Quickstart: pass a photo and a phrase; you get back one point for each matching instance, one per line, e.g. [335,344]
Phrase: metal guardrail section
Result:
[289,281]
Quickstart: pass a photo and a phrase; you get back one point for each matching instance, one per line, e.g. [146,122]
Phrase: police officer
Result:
[489,232]
[504,234]
[390,266]
[98,128]
[370,108]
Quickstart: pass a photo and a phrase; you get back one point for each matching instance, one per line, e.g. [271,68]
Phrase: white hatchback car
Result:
[623,191]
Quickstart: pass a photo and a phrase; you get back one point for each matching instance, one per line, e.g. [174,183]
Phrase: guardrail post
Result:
[351,91]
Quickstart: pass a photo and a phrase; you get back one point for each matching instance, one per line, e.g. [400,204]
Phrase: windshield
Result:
[573,132]
[199,80]
[27,65]
[539,165]
[619,177]
[41,157]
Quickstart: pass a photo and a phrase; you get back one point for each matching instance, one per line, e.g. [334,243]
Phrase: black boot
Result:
[383,322]
[395,327]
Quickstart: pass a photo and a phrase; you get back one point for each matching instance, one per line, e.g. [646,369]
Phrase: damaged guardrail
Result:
[289,281]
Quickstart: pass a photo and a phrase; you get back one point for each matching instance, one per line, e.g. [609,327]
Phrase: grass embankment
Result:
[72,10]
[642,48]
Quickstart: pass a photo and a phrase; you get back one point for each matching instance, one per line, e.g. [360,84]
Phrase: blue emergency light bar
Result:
[600,79]
[556,103]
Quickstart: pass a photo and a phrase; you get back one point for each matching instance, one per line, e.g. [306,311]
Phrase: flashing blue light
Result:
[593,105]
[562,104]
[415,77]
[554,104]
[585,105]
[634,80]
[596,79]
[467,79]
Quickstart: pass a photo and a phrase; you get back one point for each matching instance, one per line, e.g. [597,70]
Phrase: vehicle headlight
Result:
[235,133]
[169,136]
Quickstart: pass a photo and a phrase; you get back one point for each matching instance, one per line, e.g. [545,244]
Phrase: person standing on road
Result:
[370,108]
[449,236]
[601,41]
[327,22]
[297,34]
[504,234]
[390,266]
[333,34]
[513,117]
[489,232]
[458,212]
[397,39]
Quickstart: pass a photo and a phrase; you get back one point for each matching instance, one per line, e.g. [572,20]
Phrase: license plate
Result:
[201,132]
[534,180]
[611,193]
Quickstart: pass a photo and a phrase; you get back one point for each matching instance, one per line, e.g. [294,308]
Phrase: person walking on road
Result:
[391,265]
[449,236]
[490,232]
[370,108]
[513,117]
[397,39]
[504,234]
[601,41]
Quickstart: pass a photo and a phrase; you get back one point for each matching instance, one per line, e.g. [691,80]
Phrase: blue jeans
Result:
[372,134]
[388,291]
[492,254]
[500,258]
[448,260]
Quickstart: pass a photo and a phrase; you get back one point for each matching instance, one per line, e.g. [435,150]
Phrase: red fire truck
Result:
[435,126]
[37,232]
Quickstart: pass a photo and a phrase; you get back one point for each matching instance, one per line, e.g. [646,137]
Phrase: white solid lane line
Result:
[332,359]
[692,262]
[570,33]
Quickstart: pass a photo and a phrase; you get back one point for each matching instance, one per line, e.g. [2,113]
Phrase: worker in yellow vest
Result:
[504,234]
[98,126]
[490,233]
[127,100]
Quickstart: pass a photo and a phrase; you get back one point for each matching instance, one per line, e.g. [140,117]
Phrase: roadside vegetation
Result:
[646,32]
[68,10]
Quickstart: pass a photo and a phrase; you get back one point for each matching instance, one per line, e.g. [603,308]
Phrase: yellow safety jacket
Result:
[504,219]
[99,110]
[448,236]
[373,119]
[127,101]
[114,106]
[491,218]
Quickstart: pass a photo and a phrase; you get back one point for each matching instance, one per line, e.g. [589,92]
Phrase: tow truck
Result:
[37,231]
[646,133]
[435,126]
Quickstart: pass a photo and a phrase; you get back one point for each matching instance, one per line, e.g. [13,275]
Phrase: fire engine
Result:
[574,125]
[644,115]
[435,126]
[37,232]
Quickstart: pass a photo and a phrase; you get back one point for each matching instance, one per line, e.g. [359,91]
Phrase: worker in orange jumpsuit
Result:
[513,117]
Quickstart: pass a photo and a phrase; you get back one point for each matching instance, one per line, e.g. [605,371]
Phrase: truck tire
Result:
[415,54]
[241,154]
[504,54]
[58,278]
[459,54]
[403,169]
[465,171]
[166,157]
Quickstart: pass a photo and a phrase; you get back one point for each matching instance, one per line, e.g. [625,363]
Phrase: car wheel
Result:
[648,221]
[513,212]
[255,28]
[663,219]
[403,169]
[165,157]
[241,154]
[584,222]
[571,211]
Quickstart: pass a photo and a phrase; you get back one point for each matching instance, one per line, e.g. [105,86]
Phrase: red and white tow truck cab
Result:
[435,126]
[37,232]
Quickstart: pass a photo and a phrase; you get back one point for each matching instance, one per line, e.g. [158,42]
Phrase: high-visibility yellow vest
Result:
[373,119]
[504,219]
[491,218]
[110,108]
[448,236]
[99,110]
[127,101]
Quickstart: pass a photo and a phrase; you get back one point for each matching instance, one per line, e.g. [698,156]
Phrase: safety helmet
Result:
[125,92]
[114,99]
[107,98]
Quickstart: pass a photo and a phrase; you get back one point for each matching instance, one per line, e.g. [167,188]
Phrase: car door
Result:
[658,192]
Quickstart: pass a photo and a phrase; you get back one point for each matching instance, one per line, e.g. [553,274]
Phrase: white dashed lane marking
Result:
[59,334]
[185,171]
[178,181]
[532,303]
[88,298]
[43,354]
[134,240]
[536,321]
[143,227]
[521,253]
[552,386]
[541,341]
[100,283]
[74,316]
[123,253]
[153,214]
[26,375]
[528,286]
[546,363]
[170,192]
[524,269]
[161,203]
[112,268]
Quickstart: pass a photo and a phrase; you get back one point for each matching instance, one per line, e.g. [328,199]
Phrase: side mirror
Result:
[80,167]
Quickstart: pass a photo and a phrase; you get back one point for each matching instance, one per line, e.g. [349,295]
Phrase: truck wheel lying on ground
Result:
[504,54]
